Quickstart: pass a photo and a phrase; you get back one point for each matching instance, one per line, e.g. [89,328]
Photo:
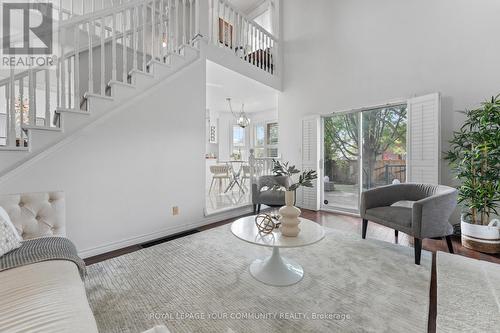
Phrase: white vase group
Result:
[289,216]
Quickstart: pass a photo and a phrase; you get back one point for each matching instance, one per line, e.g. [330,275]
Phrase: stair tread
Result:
[98,96]
[190,47]
[7,148]
[42,128]
[58,110]
[121,83]
[174,54]
[140,72]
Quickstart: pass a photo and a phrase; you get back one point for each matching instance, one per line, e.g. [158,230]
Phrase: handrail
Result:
[101,13]
[21,75]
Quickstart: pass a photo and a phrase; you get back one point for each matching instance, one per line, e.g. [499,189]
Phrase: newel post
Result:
[251,162]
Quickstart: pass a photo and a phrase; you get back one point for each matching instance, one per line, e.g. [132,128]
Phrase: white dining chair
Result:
[220,173]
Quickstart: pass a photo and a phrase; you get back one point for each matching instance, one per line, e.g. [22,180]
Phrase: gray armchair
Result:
[419,210]
[263,192]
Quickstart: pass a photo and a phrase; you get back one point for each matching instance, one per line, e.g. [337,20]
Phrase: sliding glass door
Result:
[341,161]
[362,150]
[384,146]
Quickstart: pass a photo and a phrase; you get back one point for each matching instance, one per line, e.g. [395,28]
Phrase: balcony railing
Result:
[232,30]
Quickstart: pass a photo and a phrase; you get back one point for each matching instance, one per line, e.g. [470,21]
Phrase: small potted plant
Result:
[289,213]
[475,158]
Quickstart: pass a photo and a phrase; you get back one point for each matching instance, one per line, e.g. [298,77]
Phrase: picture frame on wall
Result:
[225,33]
[213,134]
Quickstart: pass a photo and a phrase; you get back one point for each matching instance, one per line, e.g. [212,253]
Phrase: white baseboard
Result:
[90,252]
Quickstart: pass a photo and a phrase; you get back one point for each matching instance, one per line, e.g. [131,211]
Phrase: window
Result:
[239,143]
[238,136]
[272,133]
[266,140]
[260,135]
[272,139]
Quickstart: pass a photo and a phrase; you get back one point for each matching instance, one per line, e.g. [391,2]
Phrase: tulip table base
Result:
[276,270]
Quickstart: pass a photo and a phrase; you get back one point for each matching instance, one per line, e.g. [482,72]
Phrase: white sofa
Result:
[48,296]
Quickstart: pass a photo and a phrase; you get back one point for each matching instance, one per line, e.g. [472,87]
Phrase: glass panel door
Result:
[341,161]
[381,160]
[384,146]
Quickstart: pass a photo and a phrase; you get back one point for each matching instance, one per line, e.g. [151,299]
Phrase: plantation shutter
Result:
[424,139]
[309,198]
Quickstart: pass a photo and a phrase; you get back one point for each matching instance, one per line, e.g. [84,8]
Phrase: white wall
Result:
[122,177]
[356,53]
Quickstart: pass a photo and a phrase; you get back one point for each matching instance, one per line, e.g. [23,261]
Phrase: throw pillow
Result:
[6,217]
[8,238]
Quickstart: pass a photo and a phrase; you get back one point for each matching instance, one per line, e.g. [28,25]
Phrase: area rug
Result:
[468,294]
[201,283]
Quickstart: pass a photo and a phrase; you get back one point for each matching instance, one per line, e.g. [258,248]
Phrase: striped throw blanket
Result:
[42,249]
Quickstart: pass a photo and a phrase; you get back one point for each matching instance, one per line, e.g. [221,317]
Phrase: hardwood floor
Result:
[353,225]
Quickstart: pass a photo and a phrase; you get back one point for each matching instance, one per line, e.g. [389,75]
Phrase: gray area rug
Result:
[201,283]
[468,294]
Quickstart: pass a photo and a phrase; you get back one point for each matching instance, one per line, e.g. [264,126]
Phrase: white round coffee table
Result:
[277,270]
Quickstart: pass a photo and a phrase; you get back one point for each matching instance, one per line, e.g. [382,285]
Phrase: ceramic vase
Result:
[289,216]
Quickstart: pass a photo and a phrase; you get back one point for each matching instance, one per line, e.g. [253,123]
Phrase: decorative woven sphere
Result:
[265,223]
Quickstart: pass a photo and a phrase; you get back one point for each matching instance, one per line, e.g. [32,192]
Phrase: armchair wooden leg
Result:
[363,229]
[396,234]
[254,209]
[258,209]
[449,243]
[418,250]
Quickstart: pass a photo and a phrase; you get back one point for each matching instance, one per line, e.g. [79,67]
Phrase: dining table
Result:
[236,167]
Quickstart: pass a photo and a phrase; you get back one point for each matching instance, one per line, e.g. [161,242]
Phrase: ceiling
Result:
[223,83]
[246,6]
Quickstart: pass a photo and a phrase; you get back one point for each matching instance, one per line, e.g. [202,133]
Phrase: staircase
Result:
[111,52]
[107,56]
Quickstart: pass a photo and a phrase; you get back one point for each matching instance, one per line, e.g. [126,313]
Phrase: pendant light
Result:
[241,118]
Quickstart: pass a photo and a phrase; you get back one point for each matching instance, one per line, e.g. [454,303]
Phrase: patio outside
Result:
[383,144]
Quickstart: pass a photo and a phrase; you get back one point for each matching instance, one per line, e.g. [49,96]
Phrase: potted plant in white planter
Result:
[475,158]
[289,213]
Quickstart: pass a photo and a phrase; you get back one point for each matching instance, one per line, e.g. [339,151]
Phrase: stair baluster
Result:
[90,88]
[103,58]
[32,97]
[11,120]
[21,111]
[47,101]
[76,90]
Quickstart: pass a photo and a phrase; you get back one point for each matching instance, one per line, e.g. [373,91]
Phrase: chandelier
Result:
[241,118]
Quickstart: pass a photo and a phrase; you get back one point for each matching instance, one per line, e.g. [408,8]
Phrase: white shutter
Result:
[309,198]
[424,139]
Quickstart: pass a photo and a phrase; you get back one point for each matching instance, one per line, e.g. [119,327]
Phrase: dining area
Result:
[228,184]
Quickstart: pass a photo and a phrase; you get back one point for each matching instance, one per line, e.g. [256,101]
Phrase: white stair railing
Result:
[232,30]
[21,94]
[126,37]
[67,9]
[260,166]
[105,45]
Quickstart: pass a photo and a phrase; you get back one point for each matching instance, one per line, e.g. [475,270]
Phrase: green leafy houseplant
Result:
[474,157]
[284,169]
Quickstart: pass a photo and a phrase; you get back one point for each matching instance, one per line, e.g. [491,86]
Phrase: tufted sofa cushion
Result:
[36,214]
